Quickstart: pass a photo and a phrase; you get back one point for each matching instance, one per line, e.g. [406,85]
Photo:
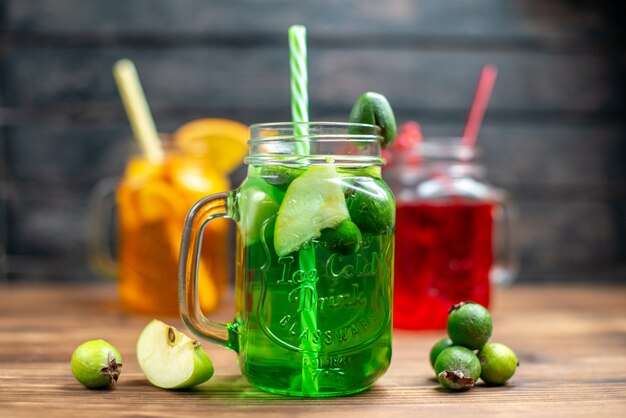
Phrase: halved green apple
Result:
[171,360]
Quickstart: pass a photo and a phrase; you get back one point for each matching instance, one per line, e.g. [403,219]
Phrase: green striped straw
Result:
[306,256]
[299,85]
[308,320]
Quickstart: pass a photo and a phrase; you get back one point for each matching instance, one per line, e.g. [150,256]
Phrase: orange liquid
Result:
[153,200]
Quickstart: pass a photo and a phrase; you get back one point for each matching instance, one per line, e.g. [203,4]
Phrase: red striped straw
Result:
[477,111]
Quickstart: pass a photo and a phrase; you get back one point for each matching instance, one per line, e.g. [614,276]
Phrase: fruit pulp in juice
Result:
[315,321]
[444,255]
[153,200]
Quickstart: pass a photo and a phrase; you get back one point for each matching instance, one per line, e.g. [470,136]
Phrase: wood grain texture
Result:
[553,135]
[569,223]
[570,343]
[77,156]
[566,238]
[549,19]
[415,78]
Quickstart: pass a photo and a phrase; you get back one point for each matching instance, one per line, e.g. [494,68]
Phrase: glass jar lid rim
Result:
[314,132]
[448,142]
[442,147]
[313,123]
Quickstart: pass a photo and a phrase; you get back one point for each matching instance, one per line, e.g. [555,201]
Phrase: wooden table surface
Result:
[571,342]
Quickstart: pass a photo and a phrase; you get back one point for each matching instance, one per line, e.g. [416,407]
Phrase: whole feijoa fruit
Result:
[457,368]
[374,109]
[469,325]
[96,364]
[438,348]
[344,239]
[371,205]
[498,363]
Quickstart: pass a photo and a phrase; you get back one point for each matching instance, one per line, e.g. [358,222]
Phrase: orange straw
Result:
[479,105]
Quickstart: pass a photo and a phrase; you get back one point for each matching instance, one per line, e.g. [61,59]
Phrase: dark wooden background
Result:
[554,135]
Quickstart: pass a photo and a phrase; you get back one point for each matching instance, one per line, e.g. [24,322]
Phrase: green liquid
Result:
[314,322]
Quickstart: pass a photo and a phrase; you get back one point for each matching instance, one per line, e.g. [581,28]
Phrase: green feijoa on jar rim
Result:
[96,364]
[498,363]
[439,346]
[344,239]
[371,205]
[374,109]
[469,325]
[457,368]
[280,175]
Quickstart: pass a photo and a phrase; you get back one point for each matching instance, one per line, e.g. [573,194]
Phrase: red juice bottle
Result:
[452,232]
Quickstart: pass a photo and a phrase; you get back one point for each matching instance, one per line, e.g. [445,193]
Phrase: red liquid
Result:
[443,256]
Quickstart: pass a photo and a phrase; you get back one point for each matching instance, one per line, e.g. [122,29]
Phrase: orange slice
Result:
[159,201]
[223,141]
[140,170]
[194,178]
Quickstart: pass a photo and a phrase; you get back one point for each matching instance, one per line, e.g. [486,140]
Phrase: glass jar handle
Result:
[506,252]
[100,213]
[204,211]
